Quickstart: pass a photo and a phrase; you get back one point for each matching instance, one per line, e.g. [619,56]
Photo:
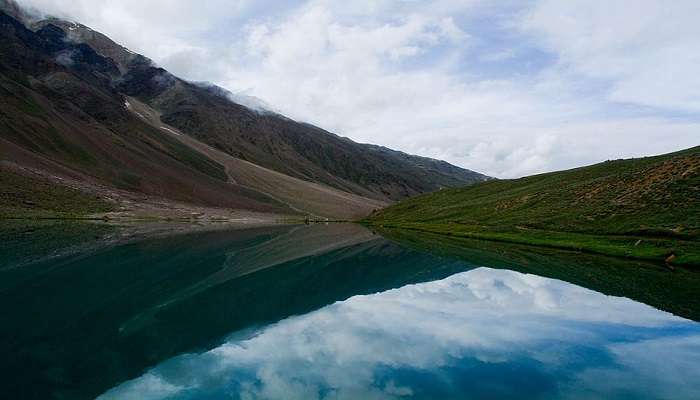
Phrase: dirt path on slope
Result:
[305,197]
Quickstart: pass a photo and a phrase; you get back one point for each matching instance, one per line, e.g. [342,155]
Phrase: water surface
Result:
[330,312]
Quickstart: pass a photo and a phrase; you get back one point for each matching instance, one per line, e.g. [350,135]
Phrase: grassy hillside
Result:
[22,196]
[643,208]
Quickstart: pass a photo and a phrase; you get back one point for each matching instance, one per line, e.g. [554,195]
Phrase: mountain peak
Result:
[79,33]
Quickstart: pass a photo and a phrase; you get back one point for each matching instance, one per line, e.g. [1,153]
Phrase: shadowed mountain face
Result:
[64,111]
[209,113]
[296,149]
[60,115]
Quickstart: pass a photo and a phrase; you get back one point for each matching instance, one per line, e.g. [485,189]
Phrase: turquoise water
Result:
[320,312]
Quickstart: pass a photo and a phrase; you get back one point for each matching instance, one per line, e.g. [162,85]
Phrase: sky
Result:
[507,88]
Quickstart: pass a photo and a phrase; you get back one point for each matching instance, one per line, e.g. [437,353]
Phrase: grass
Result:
[34,198]
[647,208]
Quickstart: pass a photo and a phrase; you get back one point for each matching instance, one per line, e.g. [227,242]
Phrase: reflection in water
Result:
[313,312]
[480,334]
[674,290]
[75,322]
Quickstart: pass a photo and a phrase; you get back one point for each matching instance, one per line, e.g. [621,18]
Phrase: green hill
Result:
[641,208]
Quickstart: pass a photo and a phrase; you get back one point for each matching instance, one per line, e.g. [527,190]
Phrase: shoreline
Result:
[668,251]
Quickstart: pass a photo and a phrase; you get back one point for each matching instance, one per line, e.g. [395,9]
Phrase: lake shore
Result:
[673,252]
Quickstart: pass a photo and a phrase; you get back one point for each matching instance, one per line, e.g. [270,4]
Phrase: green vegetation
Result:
[28,197]
[672,290]
[647,208]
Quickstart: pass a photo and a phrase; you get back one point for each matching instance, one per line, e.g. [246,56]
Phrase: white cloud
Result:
[507,88]
[318,67]
[648,50]
[156,28]
[641,360]
[357,348]
[151,387]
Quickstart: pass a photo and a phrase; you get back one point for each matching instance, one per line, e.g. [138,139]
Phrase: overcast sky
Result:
[508,88]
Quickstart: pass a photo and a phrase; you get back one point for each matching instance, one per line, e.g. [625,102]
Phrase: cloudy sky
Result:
[508,88]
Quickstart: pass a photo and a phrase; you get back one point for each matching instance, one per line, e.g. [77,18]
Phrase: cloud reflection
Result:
[480,333]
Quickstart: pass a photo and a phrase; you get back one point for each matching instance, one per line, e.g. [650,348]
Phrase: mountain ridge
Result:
[64,110]
[154,85]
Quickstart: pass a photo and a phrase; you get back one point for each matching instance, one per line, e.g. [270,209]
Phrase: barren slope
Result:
[302,196]
[80,111]
[301,150]
[63,125]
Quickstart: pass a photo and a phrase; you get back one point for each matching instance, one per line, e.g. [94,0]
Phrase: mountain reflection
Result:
[331,312]
[480,334]
[79,320]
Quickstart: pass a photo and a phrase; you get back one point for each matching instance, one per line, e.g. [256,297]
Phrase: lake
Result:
[334,312]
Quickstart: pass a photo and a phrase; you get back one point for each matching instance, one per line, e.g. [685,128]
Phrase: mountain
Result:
[212,115]
[61,120]
[278,143]
[86,119]
[646,208]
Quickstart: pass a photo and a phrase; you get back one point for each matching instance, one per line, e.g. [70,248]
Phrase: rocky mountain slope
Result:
[60,116]
[66,112]
[268,139]
[293,148]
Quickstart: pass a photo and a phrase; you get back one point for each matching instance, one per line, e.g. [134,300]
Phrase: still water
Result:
[333,312]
